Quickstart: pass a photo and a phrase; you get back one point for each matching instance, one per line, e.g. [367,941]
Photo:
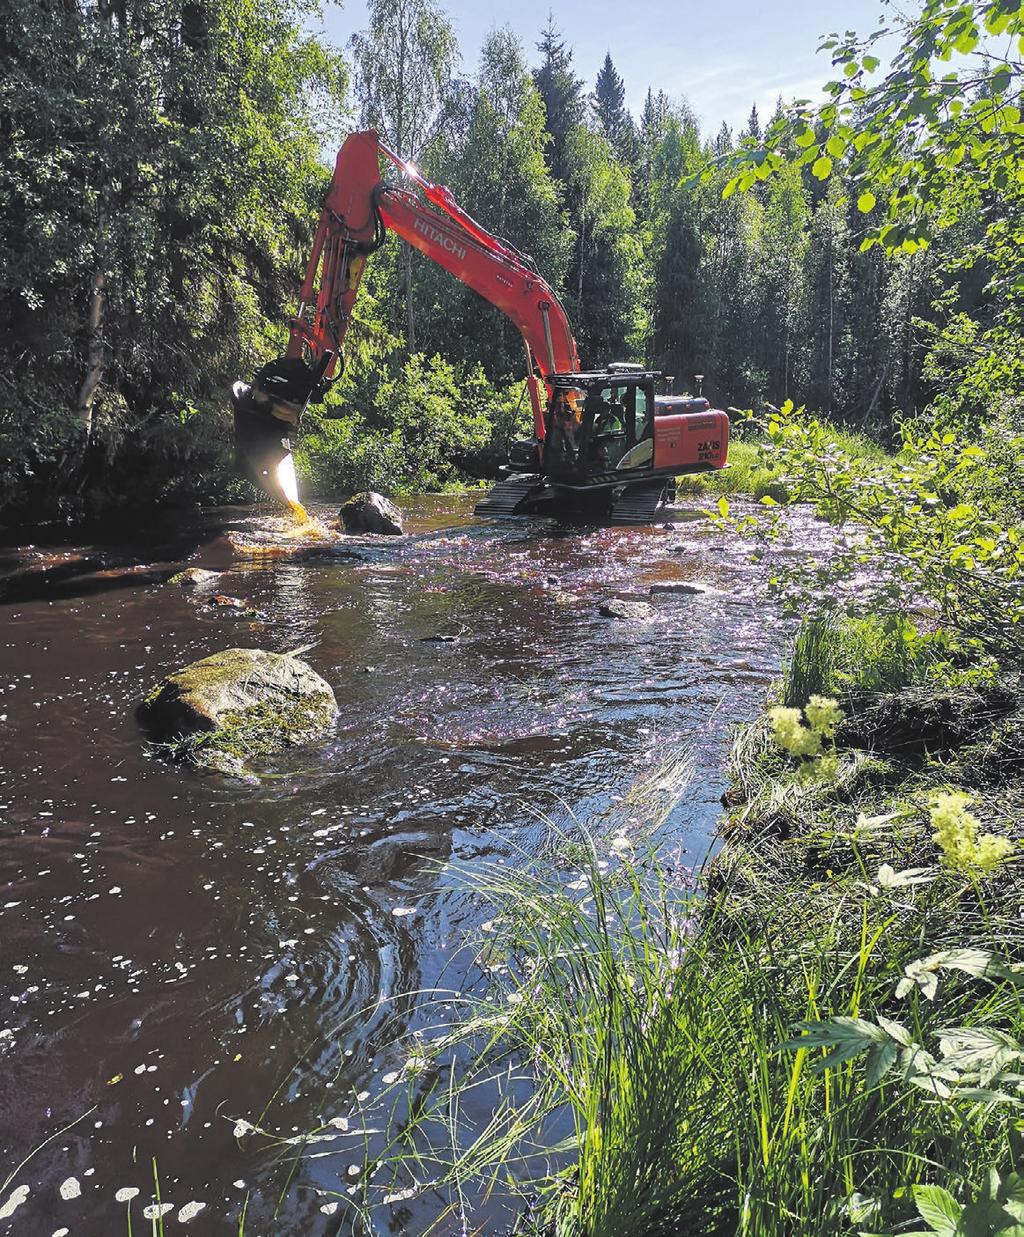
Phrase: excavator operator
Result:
[609,430]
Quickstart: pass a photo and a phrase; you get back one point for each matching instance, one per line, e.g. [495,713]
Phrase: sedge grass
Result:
[650,1022]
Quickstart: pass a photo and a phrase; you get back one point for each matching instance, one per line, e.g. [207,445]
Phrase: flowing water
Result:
[177,950]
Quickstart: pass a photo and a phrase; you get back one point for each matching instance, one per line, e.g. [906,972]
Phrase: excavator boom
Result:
[358,211]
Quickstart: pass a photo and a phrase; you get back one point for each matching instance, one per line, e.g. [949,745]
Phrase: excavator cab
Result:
[611,447]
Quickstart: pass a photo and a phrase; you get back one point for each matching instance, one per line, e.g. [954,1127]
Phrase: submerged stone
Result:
[371,512]
[678,586]
[632,611]
[241,703]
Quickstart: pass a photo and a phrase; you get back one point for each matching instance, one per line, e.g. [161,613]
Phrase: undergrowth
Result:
[730,1060]
[748,474]
[836,654]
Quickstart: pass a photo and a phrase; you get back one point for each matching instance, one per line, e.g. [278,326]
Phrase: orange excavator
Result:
[604,442]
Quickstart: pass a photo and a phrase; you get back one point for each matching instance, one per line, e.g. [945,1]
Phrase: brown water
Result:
[172,944]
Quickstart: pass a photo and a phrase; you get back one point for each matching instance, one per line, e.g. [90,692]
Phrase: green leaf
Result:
[723,507]
[835,146]
[977,962]
[1012,1189]
[822,168]
[938,1208]
[895,1030]
[880,1062]
[866,202]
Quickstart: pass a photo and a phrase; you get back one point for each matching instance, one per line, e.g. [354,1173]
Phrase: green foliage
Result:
[561,92]
[746,475]
[914,132]
[159,166]
[604,280]
[404,60]
[730,1062]
[497,169]
[996,1211]
[611,116]
[410,430]
[837,654]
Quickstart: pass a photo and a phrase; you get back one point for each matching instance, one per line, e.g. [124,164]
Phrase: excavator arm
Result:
[358,212]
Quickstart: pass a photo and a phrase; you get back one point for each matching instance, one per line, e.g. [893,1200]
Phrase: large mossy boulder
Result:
[237,705]
[370,512]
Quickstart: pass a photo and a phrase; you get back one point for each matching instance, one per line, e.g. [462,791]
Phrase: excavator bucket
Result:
[262,446]
[266,413]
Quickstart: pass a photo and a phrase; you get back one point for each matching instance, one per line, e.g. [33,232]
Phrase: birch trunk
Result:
[95,355]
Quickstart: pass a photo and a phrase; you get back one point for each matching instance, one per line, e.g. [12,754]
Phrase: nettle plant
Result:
[915,529]
[972,1071]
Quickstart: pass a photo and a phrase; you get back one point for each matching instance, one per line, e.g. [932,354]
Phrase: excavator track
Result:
[637,503]
[505,497]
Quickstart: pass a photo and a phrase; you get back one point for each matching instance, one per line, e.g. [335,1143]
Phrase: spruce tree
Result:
[561,92]
[753,126]
[611,115]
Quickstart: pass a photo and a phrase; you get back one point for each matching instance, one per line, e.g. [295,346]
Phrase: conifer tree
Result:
[753,126]
[611,115]
[561,92]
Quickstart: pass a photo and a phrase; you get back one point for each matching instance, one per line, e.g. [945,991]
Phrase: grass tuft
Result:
[659,1030]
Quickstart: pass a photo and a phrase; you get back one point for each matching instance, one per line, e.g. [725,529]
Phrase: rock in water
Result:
[221,711]
[679,586]
[620,608]
[194,577]
[370,512]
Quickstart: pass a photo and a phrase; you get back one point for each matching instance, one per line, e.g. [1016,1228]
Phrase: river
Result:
[172,944]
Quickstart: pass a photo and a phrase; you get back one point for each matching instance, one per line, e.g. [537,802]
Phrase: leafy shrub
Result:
[410,425]
[928,526]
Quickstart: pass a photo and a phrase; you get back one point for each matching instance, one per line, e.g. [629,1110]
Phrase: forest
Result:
[161,179]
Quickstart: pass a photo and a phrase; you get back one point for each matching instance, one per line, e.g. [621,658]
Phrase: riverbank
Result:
[750,475]
[818,1033]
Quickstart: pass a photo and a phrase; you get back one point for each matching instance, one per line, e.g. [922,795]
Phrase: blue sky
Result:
[722,54]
